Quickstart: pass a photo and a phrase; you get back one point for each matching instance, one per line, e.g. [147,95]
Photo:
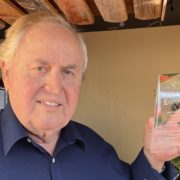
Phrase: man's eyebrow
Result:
[41,61]
[72,66]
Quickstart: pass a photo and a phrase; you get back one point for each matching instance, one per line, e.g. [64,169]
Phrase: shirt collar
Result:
[70,134]
[13,131]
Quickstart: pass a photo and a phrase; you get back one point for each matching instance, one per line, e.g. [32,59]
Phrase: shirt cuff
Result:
[141,169]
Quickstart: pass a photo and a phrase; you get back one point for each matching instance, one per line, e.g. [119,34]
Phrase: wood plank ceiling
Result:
[85,14]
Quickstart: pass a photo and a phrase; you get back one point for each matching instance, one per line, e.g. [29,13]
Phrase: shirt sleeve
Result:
[141,169]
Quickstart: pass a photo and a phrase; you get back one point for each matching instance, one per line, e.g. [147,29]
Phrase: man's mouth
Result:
[49,103]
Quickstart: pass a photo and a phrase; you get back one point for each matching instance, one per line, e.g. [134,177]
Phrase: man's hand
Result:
[164,143]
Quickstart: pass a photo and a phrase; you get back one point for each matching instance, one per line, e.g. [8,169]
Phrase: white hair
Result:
[15,32]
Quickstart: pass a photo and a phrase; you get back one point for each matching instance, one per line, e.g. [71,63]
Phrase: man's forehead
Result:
[49,40]
[44,33]
[50,28]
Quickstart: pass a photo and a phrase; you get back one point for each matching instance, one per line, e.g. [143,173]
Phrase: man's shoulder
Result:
[86,131]
[91,138]
[98,147]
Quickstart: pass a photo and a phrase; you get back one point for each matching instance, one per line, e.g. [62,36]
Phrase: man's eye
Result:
[40,68]
[68,72]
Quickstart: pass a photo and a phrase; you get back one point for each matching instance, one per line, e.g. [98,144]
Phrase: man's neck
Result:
[47,141]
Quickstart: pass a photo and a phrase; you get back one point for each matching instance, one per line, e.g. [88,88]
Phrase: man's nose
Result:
[54,83]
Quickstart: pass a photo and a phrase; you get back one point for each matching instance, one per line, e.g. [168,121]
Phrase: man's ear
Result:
[5,73]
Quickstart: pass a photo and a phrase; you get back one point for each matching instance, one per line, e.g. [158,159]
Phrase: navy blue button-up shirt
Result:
[80,154]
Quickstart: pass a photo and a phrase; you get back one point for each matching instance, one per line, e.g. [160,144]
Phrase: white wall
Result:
[117,96]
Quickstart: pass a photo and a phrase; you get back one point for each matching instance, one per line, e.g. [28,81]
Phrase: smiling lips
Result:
[50,103]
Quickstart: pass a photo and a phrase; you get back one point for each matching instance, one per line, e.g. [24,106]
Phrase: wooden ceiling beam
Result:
[37,5]
[9,12]
[112,10]
[147,9]
[76,11]
[163,10]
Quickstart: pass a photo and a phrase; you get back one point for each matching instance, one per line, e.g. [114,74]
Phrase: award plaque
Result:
[166,131]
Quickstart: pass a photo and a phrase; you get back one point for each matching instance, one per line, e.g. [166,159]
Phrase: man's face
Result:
[44,78]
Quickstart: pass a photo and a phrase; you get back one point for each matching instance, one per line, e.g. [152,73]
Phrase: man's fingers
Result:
[150,124]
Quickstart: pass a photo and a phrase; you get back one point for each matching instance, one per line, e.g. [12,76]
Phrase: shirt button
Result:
[29,140]
[53,160]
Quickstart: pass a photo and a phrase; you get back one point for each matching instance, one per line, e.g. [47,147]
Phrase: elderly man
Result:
[43,61]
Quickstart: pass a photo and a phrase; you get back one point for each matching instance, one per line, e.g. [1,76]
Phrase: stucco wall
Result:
[118,94]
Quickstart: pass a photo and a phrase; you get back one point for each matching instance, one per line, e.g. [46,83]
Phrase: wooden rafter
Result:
[9,13]
[112,11]
[147,9]
[37,5]
[163,10]
[76,11]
